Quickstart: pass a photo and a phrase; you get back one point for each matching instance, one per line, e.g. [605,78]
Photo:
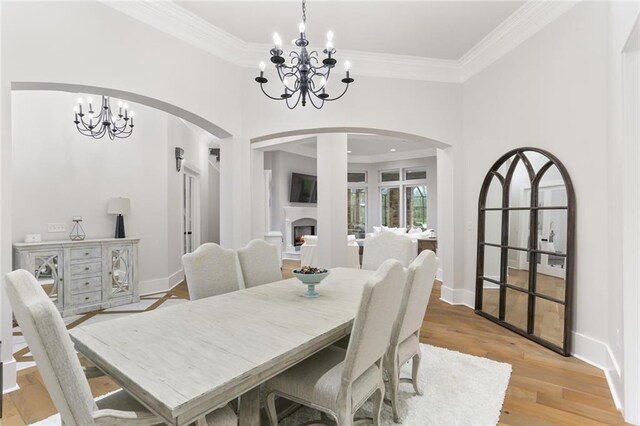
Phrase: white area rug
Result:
[458,389]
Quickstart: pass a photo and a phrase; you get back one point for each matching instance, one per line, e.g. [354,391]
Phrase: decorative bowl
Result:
[310,277]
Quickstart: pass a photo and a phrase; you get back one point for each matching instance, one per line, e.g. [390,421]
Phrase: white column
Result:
[235,192]
[5,224]
[332,200]
[258,198]
[450,226]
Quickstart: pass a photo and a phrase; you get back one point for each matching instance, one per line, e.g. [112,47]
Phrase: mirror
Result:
[490,298]
[120,270]
[516,307]
[491,267]
[494,194]
[526,285]
[517,269]
[45,269]
[493,226]
[519,185]
[549,321]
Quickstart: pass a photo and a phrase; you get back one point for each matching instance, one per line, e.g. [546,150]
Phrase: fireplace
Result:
[300,231]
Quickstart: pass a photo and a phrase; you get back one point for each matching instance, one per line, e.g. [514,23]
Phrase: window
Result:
[390,176]
[390,207]
[415,202]
[357,177]
[356,211]
[415,174]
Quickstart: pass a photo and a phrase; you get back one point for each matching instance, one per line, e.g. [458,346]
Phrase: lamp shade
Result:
[119,205]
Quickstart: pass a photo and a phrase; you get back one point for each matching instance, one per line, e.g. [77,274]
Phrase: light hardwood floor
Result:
[545,388]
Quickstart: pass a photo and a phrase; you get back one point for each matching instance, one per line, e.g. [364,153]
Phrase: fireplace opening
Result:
[300,231]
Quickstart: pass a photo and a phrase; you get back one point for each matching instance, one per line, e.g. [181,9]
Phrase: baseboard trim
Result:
[9,376]
[160,285]
[457,296]
[599,354]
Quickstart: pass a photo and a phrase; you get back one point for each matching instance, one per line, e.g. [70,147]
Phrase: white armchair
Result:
[388,245]
[60,368]
[309,251]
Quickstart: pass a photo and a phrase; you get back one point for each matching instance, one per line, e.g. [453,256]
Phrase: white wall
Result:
[552,92]
[373,186]
[58,173]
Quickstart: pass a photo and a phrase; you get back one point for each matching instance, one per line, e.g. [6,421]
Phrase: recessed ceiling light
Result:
[392,150]
[348,152]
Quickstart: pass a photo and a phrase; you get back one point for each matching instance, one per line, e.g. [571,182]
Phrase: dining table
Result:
[184,361]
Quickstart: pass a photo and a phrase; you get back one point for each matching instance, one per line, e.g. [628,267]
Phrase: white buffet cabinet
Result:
[82,276]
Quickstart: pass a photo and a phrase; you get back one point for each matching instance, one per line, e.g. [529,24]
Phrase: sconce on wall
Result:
[179,157]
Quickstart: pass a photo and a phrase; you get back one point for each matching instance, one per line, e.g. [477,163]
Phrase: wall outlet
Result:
[56,227]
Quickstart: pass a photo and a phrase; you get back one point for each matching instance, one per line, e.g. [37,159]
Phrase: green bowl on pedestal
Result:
[311,279]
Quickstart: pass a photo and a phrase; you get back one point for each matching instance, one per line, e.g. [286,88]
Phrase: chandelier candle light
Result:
[305,78]
[97,124]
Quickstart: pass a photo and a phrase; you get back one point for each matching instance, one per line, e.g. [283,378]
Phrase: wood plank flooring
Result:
[545,388]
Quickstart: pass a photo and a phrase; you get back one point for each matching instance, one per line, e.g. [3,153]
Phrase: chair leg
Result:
[394,381]
[272,414]
[417,359]
[378,401]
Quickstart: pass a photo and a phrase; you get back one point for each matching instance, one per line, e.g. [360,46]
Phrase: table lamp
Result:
[119,206]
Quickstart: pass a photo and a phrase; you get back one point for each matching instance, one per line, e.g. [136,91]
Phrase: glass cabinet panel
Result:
[49,274]
[120,270]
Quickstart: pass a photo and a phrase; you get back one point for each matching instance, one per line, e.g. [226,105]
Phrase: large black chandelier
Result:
[96,124]
[306,77]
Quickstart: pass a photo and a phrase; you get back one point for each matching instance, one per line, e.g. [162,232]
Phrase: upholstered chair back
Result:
[211,270]
[420,277]
[374,321]
[259,263]
[51,347]
[387,245]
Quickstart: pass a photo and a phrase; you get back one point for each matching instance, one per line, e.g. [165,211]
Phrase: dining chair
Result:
[211,270]
[259,263]
[387,245]
[405,337]
[339,382]
[59,366]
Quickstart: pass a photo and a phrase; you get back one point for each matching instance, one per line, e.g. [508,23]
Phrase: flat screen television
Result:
[304,188]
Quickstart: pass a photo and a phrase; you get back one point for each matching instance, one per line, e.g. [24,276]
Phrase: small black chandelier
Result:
[104,122]
[306,78]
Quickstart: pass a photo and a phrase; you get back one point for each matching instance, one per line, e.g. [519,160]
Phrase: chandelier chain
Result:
[304,11]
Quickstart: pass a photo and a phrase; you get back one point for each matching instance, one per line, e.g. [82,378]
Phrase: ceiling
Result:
[364,148]
[434,29]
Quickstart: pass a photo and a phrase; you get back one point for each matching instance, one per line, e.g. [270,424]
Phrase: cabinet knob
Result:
[86,298]
[86,254]
[87,283]
[86,268]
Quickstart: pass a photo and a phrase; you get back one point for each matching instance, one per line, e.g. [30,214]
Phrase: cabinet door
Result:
[120,270]
[47,267]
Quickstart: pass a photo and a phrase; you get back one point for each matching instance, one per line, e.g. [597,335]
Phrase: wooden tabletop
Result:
[186,360]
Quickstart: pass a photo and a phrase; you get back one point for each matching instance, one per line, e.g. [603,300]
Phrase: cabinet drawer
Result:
[88,268]
[85,285]
[86,253]
[86,298]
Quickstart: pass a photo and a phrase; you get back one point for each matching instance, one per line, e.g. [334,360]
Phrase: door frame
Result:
[190,170]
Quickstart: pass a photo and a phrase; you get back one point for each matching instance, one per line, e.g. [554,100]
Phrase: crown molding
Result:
[169,17]
[527,20]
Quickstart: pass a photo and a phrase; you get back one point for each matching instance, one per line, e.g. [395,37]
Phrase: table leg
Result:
[250,408]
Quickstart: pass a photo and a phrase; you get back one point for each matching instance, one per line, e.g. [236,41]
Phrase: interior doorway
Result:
[190,211]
